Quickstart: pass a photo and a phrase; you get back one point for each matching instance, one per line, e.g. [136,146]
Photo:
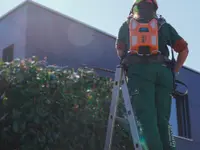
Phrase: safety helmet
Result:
[149,1]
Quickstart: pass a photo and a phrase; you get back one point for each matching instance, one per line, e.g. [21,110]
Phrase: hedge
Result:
[47,107]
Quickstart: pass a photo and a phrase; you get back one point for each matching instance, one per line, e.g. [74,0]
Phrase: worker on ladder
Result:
[150,79]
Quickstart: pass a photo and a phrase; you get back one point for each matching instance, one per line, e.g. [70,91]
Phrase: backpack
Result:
[144,35]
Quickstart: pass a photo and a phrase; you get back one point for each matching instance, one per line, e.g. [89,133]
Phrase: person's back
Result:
[150,80]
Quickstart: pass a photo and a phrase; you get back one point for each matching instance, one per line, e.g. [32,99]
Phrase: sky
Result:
[108,15]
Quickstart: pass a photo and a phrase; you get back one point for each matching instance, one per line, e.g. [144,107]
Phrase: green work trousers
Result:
[150,87]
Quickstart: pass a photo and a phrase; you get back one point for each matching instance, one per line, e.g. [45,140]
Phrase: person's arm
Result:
[183,51]
[120,44]
[180,46]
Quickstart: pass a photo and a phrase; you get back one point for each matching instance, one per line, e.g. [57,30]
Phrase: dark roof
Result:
[70,18]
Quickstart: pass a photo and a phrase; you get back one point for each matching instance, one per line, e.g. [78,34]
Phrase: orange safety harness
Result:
[143,37]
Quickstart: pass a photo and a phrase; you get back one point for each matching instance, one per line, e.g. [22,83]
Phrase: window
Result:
[180,117]
[183,116]
[173,118]
[8,53]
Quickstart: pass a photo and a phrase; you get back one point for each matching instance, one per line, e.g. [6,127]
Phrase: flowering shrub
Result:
[54,108]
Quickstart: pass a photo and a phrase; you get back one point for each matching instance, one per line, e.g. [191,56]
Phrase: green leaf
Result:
[15,127]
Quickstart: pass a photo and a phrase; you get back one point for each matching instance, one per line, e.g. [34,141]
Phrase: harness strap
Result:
[134,58]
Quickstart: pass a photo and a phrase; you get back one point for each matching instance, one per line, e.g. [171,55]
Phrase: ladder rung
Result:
[122,120]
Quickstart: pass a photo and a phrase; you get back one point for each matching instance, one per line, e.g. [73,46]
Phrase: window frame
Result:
[183,116]
[8,53]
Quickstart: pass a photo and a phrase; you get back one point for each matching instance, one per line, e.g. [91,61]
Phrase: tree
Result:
[54,108]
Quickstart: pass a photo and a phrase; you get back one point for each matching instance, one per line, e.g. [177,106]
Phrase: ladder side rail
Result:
[113,108]
[131,115]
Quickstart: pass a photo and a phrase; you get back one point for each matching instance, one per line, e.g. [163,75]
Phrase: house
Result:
[32,29]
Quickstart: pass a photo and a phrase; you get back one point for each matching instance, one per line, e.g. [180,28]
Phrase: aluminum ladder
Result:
[120,83]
